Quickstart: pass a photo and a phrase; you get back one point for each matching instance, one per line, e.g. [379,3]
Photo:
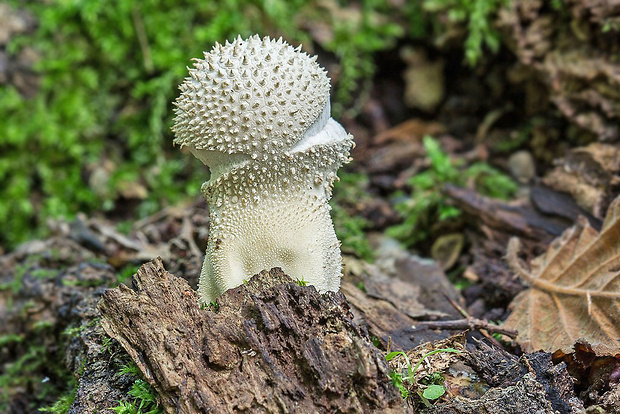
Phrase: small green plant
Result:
[489,181]
[213,306]
[433,391]
[376,342]
[106,344]
[130,369]
[433,385]
[427,205]
[142,397]
[610,26]
[301,282]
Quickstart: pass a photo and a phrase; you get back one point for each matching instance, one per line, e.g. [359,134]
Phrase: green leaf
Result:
[393,354]
[432,392]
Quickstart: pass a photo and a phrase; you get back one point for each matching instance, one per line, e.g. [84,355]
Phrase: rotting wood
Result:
[271,346]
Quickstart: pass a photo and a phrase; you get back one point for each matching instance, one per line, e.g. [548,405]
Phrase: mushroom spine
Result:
[257,113]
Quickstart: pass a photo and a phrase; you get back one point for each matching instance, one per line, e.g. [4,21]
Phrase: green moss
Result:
[126,273]
[24,372]
[62,405]
[75,331]
[10,338]
[355,41]
[33,360]
[142,398]
[108,74]
[478,16]
[351,228]
[42,325]
[45,273]
[84,283]
[16,283]
[125,227]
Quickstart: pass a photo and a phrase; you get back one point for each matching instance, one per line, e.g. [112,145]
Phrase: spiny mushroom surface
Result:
[257,113]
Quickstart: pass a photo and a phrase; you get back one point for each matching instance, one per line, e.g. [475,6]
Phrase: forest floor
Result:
[454,317]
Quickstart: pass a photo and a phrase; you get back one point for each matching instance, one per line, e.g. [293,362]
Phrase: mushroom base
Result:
[293,233]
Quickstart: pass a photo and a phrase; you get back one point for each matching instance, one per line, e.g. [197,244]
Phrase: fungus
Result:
[257,113]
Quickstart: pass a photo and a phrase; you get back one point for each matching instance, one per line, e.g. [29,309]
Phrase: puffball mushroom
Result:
[257,113]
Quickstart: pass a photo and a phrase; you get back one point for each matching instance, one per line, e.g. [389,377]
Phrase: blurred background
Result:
[86,88]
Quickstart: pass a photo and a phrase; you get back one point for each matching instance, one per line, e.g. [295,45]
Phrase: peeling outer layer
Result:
[257,112]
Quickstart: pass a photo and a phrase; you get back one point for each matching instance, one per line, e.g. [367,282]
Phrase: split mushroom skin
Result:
[257,113]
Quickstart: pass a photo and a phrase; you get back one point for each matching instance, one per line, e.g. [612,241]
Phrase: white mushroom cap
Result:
[251,96]
[260,101]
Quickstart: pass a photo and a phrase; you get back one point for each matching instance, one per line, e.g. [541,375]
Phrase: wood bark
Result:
[269,345]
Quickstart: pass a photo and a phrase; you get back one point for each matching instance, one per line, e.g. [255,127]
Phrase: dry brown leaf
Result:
[590,174]
[412,130]
[447,249]
[424,80]
[574,290]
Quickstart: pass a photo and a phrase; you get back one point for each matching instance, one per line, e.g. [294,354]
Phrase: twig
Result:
[456,306]
[483,331]
[467,323]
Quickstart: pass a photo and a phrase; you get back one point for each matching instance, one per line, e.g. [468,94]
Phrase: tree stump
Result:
[269,345]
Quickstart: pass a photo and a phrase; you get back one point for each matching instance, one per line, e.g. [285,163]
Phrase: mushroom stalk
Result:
[257,113]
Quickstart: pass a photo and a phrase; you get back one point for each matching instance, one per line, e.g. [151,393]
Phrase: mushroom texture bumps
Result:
[257,113]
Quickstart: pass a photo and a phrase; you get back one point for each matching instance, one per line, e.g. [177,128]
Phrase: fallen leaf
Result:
[412,130]
[591,175]
[400,147]
[447,249]
[574,290]
[424,80]
[585,367]
[132,190]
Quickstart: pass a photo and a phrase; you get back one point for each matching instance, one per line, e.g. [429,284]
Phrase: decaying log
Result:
[269,345]
[505,219]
